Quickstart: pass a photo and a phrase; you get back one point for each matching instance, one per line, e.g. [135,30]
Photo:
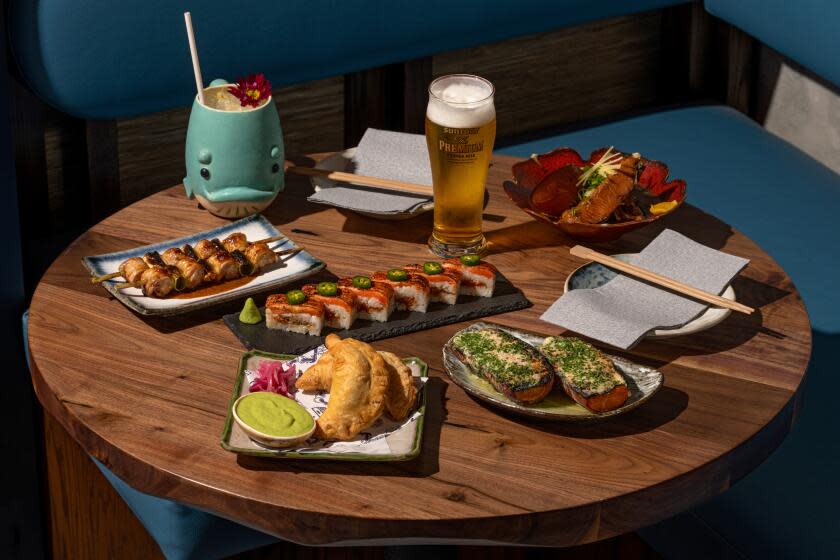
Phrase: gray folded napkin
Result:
[387,155]
[624,309]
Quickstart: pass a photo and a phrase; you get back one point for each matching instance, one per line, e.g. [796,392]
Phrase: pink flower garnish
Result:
[251,90]
[275,377]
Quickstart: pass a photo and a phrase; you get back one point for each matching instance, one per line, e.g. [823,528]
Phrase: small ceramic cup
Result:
[265,439]
[234,159]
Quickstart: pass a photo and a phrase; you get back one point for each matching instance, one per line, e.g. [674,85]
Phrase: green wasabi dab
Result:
[250,314]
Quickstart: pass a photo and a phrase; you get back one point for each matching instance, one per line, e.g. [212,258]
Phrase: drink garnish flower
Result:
[251,90]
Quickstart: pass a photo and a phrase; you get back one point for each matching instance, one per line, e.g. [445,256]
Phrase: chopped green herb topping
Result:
[583,365]
[505,358]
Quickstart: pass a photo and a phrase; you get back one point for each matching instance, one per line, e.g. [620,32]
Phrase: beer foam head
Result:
[461,101]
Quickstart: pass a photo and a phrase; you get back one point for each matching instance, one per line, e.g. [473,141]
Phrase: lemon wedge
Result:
[662,207]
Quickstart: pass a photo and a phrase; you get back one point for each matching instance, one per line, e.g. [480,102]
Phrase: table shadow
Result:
[426,464]
[663,407]
[731,333]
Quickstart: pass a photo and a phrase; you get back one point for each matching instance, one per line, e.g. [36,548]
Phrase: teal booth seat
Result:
[98,59]
[804,30]
[788,203]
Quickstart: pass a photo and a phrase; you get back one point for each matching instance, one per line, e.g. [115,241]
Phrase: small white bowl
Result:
[265,439]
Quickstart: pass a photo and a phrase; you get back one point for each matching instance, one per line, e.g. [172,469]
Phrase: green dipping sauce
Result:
[250,314]
[274,415]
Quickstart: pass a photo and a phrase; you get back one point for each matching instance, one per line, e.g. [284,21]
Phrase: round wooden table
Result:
[148,397]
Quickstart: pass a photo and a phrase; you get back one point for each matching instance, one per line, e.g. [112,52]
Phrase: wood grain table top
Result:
[148,396]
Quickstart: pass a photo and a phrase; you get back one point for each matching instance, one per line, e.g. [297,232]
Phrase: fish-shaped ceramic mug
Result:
[234,159]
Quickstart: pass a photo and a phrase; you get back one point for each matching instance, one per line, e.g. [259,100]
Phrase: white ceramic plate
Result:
[340,161]
[286,270]
[592,275]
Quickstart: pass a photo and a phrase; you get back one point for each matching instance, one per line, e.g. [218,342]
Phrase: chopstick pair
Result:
[342,176]
[658,279]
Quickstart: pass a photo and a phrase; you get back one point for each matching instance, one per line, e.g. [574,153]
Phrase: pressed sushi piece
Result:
[411,291]
[444,284]
[339,304]
[306,317]
[374,300]
[586,374]
[514,368]
[477,279]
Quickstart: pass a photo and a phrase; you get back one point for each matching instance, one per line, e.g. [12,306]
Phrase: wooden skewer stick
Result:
[270,239]
[345,177]
[104,277]
[658,279]
[292,251]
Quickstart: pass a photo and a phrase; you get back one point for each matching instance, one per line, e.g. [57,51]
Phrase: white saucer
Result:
[592,275]
[341,161]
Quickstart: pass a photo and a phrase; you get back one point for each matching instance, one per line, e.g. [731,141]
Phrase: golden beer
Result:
[460,131]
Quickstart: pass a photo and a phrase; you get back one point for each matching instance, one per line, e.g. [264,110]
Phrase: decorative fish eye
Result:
[275,168]
[205,173]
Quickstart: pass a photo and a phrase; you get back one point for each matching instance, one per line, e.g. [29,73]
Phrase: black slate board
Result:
[505,298]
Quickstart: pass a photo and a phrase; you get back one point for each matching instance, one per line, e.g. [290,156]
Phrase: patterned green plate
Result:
[642,382]
[384,441]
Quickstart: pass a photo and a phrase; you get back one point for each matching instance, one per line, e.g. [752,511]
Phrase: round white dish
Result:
[592,275]
[340,161]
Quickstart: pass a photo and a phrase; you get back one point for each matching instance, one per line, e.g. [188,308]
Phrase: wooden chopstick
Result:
[654,278]
[361,180]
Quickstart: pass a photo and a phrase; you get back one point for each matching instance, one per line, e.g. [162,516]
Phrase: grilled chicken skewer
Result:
[156,280]
[221,262]
[191,270]
[257,253]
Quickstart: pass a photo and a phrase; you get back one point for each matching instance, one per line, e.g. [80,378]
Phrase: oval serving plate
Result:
[593,275]
[340,161]
[643,382]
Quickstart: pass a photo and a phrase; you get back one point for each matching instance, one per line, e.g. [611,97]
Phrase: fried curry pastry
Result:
[319,376]
[357,391]
[402,393]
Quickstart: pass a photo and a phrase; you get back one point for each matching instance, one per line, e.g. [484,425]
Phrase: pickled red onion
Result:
[275,377]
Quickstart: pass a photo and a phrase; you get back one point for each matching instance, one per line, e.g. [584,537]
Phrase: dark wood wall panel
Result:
[151,148]
[567,75]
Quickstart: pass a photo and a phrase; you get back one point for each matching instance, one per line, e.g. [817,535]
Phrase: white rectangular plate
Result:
[288,269]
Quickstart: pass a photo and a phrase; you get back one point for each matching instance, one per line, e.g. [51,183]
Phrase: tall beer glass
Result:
[460,131]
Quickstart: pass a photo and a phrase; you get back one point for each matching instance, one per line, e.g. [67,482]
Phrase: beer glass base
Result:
[447,250]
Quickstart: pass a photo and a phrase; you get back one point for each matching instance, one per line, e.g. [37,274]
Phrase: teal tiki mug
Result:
[234,158]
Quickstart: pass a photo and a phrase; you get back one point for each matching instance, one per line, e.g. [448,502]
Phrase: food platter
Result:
[643,382]
[385,440]
[593,275]
[505,298]
[287,269]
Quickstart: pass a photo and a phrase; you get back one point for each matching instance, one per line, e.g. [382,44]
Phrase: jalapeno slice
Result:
[432,267]
[397,275]
[470,260]
[362,282]
[327,288]
[295,297]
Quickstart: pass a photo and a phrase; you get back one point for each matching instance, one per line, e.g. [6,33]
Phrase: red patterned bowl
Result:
[529,173]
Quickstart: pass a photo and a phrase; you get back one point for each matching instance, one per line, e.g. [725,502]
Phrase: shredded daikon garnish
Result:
[608,164]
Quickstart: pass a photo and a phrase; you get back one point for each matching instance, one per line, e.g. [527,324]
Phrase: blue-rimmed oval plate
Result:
[287,269]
